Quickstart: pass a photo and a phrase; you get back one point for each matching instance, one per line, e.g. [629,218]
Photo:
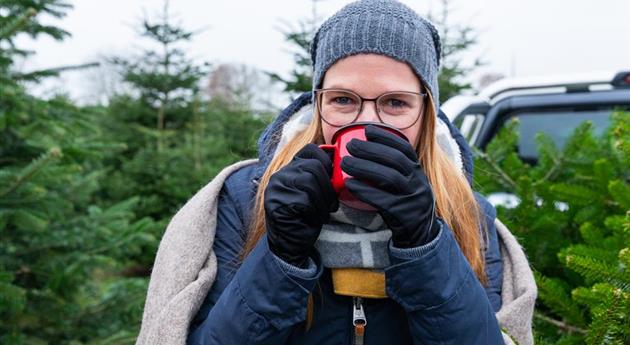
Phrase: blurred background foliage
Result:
[87,190]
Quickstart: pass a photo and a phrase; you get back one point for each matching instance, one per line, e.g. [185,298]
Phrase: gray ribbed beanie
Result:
[384,27]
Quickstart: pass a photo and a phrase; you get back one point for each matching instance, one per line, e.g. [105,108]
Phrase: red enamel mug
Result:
[338,147]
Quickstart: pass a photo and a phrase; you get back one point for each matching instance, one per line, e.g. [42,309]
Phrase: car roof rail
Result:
[557,83]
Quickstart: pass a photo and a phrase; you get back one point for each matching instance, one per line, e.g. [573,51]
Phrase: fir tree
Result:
[301,77]
[166,79]
[56,236]
[574,221]
[176,139]
[457,40]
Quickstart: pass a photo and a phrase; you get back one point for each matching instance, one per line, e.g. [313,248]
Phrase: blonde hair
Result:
[454,199]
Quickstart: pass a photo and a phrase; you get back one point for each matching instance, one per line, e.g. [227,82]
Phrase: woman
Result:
[423,268]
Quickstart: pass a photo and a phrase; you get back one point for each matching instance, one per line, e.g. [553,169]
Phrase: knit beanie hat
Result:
[384,27]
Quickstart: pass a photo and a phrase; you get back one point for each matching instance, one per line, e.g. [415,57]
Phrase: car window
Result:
[556,124]
[469,126]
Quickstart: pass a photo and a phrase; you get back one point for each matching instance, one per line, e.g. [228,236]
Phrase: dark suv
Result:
[553,105]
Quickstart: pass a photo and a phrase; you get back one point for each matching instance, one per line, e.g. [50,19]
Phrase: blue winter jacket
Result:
[434,296]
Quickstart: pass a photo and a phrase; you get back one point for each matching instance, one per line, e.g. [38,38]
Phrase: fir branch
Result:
[507,180]
[605,318]
[562,325]
[49,72]
[553,294]
[19,22]
[553,172]
[31,169]
[597,270]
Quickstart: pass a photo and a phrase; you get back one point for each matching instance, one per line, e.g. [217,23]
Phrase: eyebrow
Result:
[336,86]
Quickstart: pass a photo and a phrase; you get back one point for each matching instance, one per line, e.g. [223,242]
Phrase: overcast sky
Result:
[517,37]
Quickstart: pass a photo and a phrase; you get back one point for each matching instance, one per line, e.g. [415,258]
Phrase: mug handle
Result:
[335,181]
[327,146]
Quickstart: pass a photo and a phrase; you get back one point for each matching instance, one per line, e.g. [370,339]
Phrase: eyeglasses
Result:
[339,107]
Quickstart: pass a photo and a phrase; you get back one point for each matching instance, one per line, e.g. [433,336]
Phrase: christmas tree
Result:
[573,220]
[61,246]
[176,138]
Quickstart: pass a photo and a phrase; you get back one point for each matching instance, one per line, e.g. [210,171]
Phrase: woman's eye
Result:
[397,103]
[342,100]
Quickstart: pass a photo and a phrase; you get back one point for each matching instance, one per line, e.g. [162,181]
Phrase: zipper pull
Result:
[358,320]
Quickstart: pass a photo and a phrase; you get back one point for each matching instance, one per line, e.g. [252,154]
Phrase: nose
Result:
[368,113]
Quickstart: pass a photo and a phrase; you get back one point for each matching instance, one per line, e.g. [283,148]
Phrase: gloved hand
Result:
[397,186]
[298,201]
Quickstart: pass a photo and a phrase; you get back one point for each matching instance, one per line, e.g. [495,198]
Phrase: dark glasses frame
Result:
[318,97]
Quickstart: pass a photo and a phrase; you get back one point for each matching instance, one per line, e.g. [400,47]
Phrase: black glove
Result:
[389,177]
[298,201]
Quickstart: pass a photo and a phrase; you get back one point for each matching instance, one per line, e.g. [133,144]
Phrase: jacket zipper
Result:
[358,320]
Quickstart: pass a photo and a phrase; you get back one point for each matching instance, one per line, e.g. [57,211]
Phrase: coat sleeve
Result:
[258,302]
[444,301]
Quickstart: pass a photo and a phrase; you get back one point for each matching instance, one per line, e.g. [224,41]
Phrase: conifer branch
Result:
[506,179]
[18,23]
[562,325]
[31,169]
[553,172]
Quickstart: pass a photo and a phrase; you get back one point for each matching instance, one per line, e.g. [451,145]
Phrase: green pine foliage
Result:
[176,140]
[456,40]
[573,220]
[17,19]
[301,77]
[86,192]
[57,235]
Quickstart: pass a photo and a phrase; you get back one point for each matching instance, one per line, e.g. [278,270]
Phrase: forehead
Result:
[371,74]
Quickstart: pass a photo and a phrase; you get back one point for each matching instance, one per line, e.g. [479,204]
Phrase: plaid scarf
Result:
[354,238]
